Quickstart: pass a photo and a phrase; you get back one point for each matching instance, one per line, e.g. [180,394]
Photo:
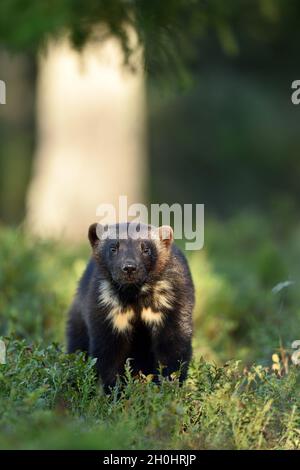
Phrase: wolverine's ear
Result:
[95,232]
[166,235]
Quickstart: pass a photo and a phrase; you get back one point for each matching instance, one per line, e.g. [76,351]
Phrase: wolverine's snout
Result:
[129,268]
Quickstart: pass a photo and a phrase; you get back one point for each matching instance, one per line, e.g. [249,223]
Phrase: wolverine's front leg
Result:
[111,350]
[172,347]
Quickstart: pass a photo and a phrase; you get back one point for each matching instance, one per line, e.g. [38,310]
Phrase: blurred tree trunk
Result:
[91,138]
[17,130]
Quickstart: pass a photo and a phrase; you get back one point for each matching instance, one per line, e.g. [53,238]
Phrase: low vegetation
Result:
[242,391]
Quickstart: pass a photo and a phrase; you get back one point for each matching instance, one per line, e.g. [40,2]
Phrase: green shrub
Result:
[37,281]
[237,314]
[52,400]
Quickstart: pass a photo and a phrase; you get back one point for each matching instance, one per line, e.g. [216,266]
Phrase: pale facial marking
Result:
[152,318]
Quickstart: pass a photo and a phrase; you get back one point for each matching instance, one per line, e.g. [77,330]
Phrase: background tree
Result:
[239,51]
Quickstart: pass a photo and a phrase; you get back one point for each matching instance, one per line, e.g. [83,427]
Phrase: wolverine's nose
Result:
[129,268]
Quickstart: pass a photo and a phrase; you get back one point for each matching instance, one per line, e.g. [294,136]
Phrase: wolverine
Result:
[134,302]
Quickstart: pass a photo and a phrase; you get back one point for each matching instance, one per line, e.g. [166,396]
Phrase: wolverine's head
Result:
[131,252]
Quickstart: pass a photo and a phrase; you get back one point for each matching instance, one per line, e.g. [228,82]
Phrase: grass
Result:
[51,400]
[242,391]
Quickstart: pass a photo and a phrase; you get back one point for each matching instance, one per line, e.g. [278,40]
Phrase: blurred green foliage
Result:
[51,400]
[237,315]
[167,30]
[219,80]
[234,137]
[37,279]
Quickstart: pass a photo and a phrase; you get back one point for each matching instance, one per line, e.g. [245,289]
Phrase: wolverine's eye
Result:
[113,248]
[146,250]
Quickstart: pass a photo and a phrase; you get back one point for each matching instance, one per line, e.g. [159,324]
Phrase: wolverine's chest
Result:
[150,306]
[125,320]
